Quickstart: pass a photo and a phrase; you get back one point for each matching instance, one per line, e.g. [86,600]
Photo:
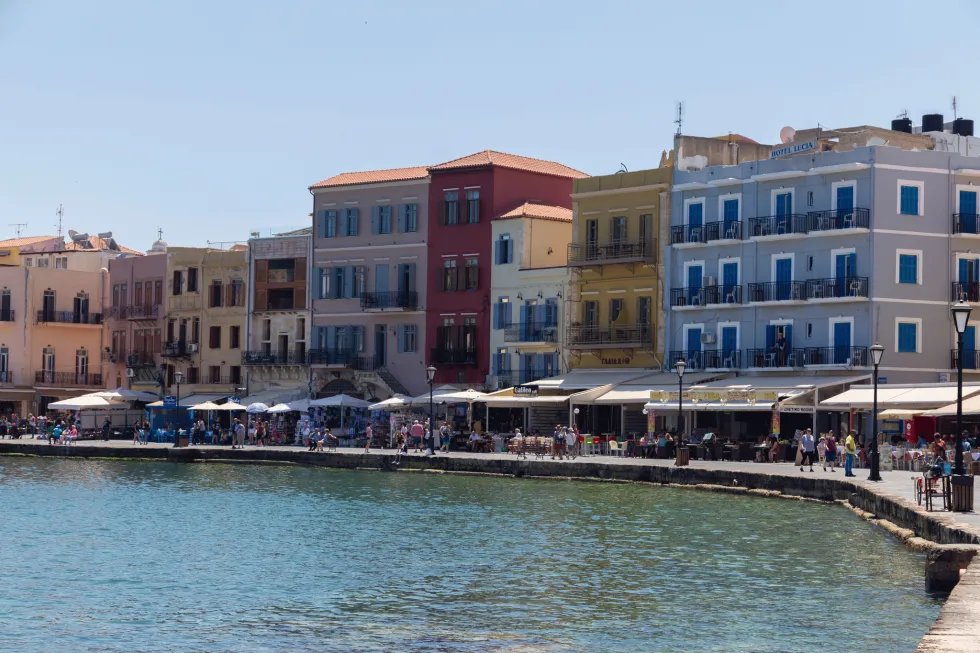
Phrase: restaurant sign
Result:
[615,361]
[526,391]
[715,396]
[797,409]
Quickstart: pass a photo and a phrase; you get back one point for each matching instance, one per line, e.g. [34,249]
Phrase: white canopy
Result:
[901,396]
[342,401]
[281,408]
[190,400]
[207,405]
[300,405]
[275,395]
[85,402]
[231,407]
[469,396]
[391,403]
[124,394]
[423,399]
[971,406]
[257,407]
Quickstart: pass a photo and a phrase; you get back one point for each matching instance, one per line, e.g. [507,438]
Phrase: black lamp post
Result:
[430,375]
[680,366]
[961,317]
[877,351]
[178,377]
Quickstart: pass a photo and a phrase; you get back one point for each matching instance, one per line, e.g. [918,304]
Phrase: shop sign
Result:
[170,401]
[664,396]
[797,409]
[525,391]
[775,420]
[615,361]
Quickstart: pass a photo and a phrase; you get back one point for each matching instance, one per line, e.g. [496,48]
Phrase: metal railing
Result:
[68,317]
[724,230]
[178,348]
[440,355]
[136,312]
[965,291]
[407,299]
[838,288]
[851,356]
[531,332]
[778,225]
[6,376]
[623,251]
[510,378]
[838,219]
[68,378]
[777,291]
[7,315]
[718,294]
[625,334]
[971,359]
[966,223]
[773,358]
[140,358]
[694,359]
[353,360]
[688,233]
[260,357]
[723,359]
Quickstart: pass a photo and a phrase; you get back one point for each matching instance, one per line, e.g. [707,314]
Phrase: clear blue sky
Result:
[210,119]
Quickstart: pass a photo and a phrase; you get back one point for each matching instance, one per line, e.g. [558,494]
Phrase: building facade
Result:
[278,329]
[528,286]
[802,261]
[465,196]
[369,296]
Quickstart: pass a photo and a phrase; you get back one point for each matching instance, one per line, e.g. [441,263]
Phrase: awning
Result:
[277,395]
[588,379]
[732,406]
[340,401]
[922,397]
[900,413]
[971,406]
[191,400]
[510,401]
[637,391]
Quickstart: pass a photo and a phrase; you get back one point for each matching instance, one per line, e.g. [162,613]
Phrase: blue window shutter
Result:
[331,337]
[852,264]
[376,220]
[401,338]
[348,281]
[496,364]
[770,336]
[496,252]
[402,218]
[321,225]
[788,330]
[317,282]
[523,325]
[353,218]
[411,277]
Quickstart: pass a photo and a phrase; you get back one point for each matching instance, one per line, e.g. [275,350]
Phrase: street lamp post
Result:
[961,317]
[430,375]
[877,351]
[680,365]
[178,377]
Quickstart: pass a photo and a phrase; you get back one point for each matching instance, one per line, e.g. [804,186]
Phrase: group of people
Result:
[825,449]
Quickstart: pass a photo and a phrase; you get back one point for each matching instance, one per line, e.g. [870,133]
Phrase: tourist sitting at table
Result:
[474,442]
[774,450]
[662,445]
[643,446]
[708,442]
[939,447]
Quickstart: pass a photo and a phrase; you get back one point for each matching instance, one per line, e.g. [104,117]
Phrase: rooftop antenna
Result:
[61,214]
[19,227]
[954,107]
[680,117]
[622,169]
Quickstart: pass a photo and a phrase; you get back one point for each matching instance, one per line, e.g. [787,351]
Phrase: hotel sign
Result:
[792,149]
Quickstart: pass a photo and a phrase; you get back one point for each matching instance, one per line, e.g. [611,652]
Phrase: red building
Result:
[464,196]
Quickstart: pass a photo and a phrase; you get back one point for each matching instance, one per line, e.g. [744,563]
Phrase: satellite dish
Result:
[876,140]
[787,134]
[71,233]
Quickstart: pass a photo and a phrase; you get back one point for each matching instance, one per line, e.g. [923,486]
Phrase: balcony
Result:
[722,359]
[456,346]
[6,376]
[63,379]
[508,379]
[966,223]
[773,359]
[282,275]
[849,356]
[625,335]
[68,317]
[390,301]
[841,288]
[184,302]
[686,234]
[345,358]
[141,359]
[7,316]
[713,295]
[971,359]
[777,291]
[721,230]
[288,357]
[443,356]
[531,332]
[965,291]
[838,219]
[778,225]
[622,251]
[694,360]
[179,349]
[137,312]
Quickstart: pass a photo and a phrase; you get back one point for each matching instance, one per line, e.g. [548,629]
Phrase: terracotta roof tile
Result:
[99,245]
[490,158]
[28,240]
[540,211]
[374,177]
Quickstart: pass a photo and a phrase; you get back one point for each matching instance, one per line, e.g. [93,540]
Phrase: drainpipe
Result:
[103,279]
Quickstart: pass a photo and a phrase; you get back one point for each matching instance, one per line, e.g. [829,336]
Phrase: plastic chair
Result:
[615,449]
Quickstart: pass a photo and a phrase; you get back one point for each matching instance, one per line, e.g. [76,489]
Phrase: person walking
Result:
[444,437]
[417,432]
[830,455]
[239,435]
[850,450]
[557,442]
[368,434]
[33,422]
[106,428]
[806,449]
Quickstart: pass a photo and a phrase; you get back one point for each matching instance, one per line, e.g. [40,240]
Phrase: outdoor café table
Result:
[764,450]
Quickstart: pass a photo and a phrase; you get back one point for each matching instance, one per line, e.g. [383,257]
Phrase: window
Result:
[448,321]
[214,337]
[381,220]
[409,343]
[237,293]
[617,230]
[907,336]
[61,263]
[177,285]
[214,298]
[449,275]
[43,262]
[590,313]
[191,279]
[551,312]
[809,198]
[472,274]
[502,313]
[472,206]
[615,309]
[234,337]
[908,267]
[643,311]
[158,292]
[196,331]
[214,374]
[235,374]
[469,321]
[115,295]
[138,293]
[408,219]
[192,376]
[328,224]
[360,274]
[910,197]
[450,208]
[338,283]
[322,283]
[505,250]
[28,262]
[646,220]
[280,299]
[350,221]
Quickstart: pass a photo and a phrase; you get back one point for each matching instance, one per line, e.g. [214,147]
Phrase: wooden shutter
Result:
[299,297]
[376,220]
[230,294]
[402,217]
[261,300]
[299,269]
[262,271]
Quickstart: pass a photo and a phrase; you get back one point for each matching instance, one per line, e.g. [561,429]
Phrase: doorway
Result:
[380,345]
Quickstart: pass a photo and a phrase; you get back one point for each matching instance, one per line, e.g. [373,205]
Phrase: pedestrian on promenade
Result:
[260,432]
[806,449]
[850,450]
[106,428]
[238,435]
[557,442]
[417,432]
[311,442]
[33,423]
[444,437]
[136,433]
[830,455]
[368,434]
[939,447]
[55,434]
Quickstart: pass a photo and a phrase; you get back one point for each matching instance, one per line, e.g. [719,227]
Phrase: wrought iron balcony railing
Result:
[721,294]
[179,348]
[838,219]
[850,356]
[688,233]
[839,288]
[778,225]
[777,291]
[971,359]
[379,301]
[68,317]
[7,315]
[439,355]
[965,291]
[531,332]
[723,359]
[966,223]
[621,251]
[771,358]
[615,334]
[272,357]
[68,378]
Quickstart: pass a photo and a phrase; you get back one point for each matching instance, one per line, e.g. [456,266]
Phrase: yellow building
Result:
[616,298]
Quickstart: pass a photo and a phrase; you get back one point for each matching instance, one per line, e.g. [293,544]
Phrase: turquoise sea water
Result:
[129,556]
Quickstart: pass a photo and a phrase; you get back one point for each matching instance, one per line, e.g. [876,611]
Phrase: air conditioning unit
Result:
[192,348]
[707,338]
[130,372]
[708,281]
